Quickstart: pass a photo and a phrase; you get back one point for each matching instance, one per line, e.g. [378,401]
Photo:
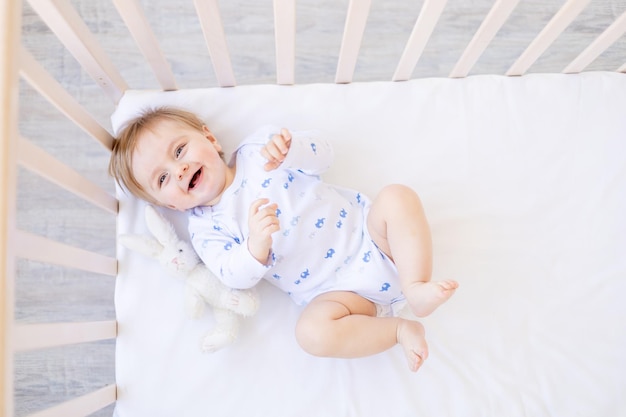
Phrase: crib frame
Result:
[65,22]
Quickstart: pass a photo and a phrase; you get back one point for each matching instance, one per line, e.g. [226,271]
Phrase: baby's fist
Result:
[276,149]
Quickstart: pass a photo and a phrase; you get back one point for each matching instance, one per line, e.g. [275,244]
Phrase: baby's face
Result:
[180,167]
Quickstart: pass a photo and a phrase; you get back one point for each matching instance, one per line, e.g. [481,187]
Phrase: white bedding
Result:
[524,183]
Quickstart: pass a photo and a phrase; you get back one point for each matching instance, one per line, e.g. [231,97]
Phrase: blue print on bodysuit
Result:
[320,223]
[304,275]
[329,253]
[367,256]
[314,148]
[343,214]
[290,178]
[266,183]
[385,287]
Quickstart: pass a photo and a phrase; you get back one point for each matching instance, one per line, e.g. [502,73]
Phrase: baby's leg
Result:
[344,325]
[398,226]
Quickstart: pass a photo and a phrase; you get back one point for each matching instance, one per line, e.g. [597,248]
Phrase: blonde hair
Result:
[120,164]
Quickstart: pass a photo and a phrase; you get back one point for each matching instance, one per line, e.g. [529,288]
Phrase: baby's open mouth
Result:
[195,177]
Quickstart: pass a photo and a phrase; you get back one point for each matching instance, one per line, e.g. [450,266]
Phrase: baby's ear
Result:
[143,244]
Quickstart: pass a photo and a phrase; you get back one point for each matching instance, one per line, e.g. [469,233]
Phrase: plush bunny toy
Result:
[202,287]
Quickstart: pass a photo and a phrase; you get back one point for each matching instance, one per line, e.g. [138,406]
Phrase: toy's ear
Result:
[142,244]
[160,227]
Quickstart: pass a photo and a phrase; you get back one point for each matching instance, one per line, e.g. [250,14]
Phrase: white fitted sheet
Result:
[524,184]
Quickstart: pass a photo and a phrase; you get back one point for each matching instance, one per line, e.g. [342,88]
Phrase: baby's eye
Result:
[162,179]
[179,150]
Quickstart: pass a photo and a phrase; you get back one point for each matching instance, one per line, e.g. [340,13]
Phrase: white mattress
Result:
[524,183]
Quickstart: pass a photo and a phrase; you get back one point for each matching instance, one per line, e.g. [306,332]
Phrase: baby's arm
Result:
[302,151]
[229,259]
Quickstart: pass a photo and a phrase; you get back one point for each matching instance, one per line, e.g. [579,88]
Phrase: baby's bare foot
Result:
[425,297]
[410,335]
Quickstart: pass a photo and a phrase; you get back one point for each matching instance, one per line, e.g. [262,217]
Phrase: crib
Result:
[506,116]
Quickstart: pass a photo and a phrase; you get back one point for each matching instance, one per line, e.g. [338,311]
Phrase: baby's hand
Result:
[262,222]
[276,149]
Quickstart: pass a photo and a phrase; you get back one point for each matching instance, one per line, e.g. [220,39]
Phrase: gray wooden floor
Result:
[50,293]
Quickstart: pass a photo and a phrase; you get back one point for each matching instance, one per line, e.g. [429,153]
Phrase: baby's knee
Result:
[398,192]
[311,337]
[395,200]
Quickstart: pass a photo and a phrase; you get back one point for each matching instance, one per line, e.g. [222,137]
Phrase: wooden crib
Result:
[26,249]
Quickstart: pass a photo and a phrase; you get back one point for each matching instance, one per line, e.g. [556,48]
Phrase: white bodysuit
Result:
[323,243]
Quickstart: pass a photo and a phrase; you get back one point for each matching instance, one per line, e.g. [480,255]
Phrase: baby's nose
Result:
[182,170]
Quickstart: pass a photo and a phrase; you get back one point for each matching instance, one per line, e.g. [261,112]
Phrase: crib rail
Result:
[285,32]
[17,150]
[352,37]
[602,42]
[10,22]
[41,336]
[73,32]
[48,87]
[215,38]
[81,406]
[136,21]
[547,36]
[423,29]
[65,22]
[37,160]
[30,246]
[496,18]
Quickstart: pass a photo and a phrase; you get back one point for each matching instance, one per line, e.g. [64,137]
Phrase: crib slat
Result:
[10,30]
[213,30]
[548,35]
[47,335]
[54,92]
[285,38]
[599,45]
[137,23]
[496,17]
[37,160]
[424,26]
[358,11]
[82,406]
[38,248]
[72,31]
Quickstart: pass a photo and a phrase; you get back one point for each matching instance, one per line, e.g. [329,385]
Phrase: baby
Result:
[266,214]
